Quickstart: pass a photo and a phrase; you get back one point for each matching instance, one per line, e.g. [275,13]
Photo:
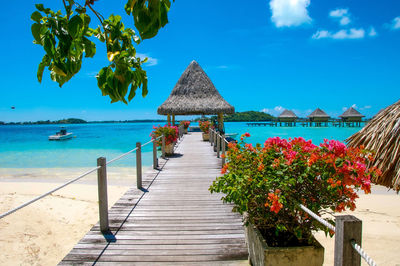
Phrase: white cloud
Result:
[222,67]
[372,32]
[151,61]
[395,23]
[354,106]
[277,110]
[342,14]
[287,13]
[352,33]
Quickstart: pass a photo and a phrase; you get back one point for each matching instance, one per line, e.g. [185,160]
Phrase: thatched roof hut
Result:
[287,116]
[319,116]
[351,115]
[195,94]
[382,135]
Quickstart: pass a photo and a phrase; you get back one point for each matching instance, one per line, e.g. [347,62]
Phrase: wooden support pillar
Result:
[347,228]
[173,120]
[102,192]
[223,150]
[218,145]
[139,165]
[220,122]
[169,119]
[163,146]
[155,159]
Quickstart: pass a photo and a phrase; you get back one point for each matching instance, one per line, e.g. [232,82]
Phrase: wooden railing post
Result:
[139,165]
[218,144]
[347,228]
[102,192]
[155,159]
[163,146]
[211,132]
[223,150]
[209,135]
[215,140]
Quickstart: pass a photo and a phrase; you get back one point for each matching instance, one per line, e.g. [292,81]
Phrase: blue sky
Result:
[260,55]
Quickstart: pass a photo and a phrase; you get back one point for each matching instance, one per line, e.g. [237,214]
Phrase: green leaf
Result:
[39,7]
[35,28]
[36,16]
[74,25]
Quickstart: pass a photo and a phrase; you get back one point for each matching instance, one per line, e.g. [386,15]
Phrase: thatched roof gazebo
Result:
[288,117]
[195,94]
[382,135]
[319,116]
[351,115]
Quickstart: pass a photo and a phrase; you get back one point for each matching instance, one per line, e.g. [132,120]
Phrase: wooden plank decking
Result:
[174,220]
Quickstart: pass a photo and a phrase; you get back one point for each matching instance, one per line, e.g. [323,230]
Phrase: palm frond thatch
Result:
[382,135]
[318,113]
[351,112]
[195,94]
[287,114]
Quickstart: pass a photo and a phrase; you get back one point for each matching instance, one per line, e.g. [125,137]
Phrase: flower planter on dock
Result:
[261,254]
[206,137]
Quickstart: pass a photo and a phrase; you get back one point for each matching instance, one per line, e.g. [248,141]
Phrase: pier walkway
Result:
[173,220]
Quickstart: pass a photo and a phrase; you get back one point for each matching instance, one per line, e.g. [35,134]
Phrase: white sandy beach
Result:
[43,233]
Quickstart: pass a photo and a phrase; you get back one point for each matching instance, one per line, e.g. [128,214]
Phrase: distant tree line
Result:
[74,121]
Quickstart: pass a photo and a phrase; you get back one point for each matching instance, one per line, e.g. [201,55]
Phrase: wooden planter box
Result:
[260,254]
[206,137]
[185,131]
[169,149]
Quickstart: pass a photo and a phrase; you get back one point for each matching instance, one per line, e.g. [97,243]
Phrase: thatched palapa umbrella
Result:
[382,135]
[195,94]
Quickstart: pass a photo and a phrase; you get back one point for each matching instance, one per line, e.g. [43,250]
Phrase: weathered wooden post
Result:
[347,228]
[215,140]
[223,150]
[218,144]
[163,147]
[139,165]
[155,159]
[102,192]
[211,132]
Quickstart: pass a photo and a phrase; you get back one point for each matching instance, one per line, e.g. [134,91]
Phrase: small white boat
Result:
[61,135]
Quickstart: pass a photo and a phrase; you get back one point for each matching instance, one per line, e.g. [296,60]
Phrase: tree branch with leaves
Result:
[67,39]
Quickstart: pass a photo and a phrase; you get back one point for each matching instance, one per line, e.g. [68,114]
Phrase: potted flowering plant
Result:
[205,128]
[171,134]
[268,183]
[185,125]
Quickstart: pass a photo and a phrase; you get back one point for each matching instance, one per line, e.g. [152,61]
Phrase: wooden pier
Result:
[173,220]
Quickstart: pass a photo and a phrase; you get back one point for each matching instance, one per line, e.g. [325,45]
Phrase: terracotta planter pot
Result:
[206,137]
[260,254]
[169,149]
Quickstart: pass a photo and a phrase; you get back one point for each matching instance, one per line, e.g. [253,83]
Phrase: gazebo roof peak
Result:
[195,94]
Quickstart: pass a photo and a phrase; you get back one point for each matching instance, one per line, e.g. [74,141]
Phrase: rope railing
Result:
[138,151]
[318,218]
[363,254]
[352,224]
[47,193]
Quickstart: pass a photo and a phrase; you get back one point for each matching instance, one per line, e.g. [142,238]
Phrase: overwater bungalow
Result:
[318,117]
[195,94]
[288,118]
[351,117]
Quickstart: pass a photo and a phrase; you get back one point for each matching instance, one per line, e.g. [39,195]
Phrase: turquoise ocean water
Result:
[27,146]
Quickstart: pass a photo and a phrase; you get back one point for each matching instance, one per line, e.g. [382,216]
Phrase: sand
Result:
[44,232]
[380,215]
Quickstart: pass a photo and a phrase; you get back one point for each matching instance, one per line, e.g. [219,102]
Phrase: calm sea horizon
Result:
[27,146]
